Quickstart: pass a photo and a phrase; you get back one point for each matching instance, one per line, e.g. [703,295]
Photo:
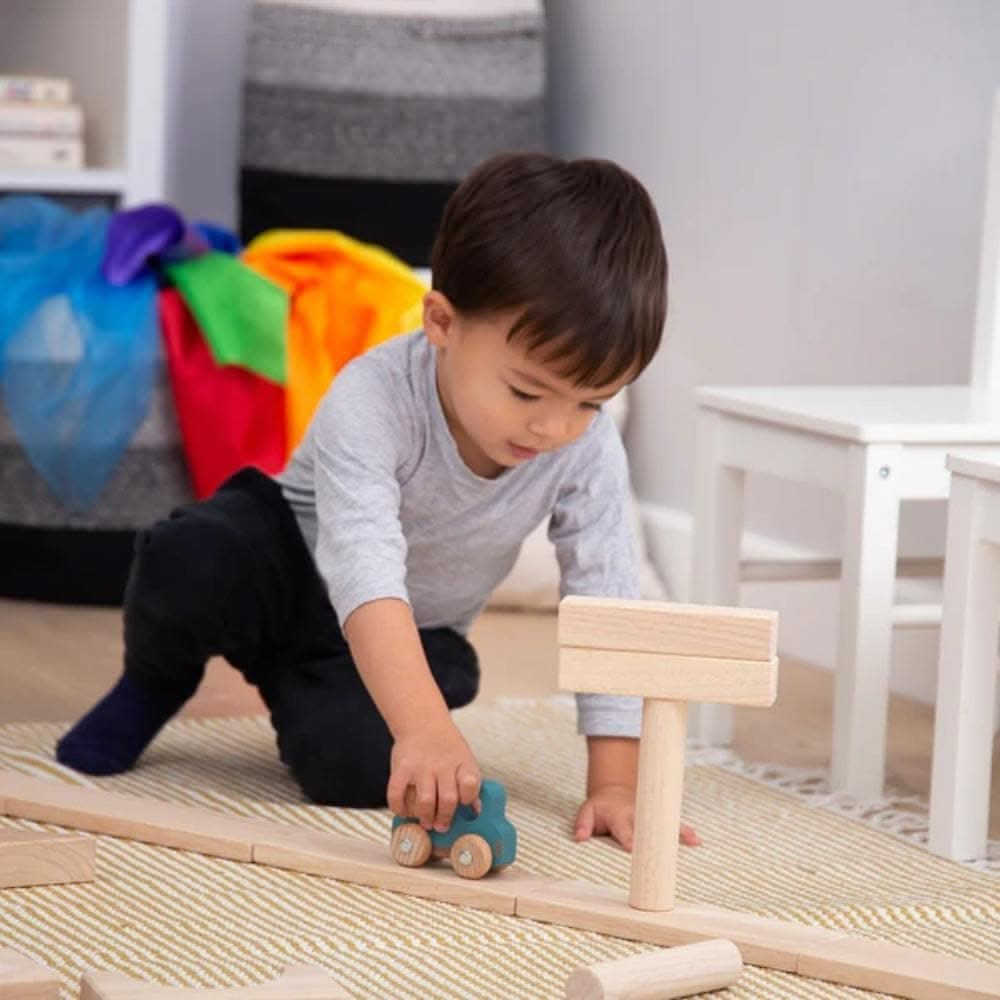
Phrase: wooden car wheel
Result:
[411,845]
[471,856]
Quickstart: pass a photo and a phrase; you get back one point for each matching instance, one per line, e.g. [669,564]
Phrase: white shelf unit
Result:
[115,54]
[90,180]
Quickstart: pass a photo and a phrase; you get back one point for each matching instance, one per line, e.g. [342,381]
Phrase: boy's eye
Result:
[596,407]
[526,396]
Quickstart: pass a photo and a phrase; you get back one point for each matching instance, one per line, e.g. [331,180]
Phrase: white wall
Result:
[819,170]
[207,46]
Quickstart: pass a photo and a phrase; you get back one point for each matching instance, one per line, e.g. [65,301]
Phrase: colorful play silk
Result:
[345,297]
[228,417]
[77,355]
[242,314]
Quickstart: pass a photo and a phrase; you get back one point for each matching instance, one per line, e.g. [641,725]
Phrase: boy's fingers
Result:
[396,794]
[584,822]
[688,837]
[621,829]
[469,783]
[426,797]
[447,801]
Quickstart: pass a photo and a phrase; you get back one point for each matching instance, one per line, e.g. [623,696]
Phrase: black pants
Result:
[232,576]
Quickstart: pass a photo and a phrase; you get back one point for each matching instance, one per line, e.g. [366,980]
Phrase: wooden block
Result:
[28,857]
[907,972]
[130,817]
[658,804]
[299,982]
[363,862]
[670,677]
[663,627]
[659,975]
[23,979]
[773,944]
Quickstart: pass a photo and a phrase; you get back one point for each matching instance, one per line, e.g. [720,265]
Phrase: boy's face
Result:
[503,405]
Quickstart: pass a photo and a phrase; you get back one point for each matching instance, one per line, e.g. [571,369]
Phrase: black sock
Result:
[113,734]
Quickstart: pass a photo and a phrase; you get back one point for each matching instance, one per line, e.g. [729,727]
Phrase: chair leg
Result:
[861,700]
[715,570]
[966,686]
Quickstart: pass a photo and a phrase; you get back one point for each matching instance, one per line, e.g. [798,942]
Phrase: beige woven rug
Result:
[187,920]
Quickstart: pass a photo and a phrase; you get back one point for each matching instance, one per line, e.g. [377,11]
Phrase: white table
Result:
[875,446]
[967,667]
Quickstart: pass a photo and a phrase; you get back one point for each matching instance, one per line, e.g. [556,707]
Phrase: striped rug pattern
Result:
[186,920]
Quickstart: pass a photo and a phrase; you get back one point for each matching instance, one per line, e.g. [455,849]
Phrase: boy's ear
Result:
[439,318]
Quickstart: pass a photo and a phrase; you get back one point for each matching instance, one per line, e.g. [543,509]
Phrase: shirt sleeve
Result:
[595,547]
[360,438]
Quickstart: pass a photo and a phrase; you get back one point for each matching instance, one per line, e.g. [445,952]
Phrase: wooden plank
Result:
[24,979]
[664,627]
[297,982]
[774,944]
[681,971]
[907,972]
[364,862]
[261,841]
[150,821]
[29,857]
[674,678]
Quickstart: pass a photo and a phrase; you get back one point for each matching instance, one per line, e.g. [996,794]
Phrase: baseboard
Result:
[808,609]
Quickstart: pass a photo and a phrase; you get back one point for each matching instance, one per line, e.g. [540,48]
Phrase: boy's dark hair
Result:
[574,246]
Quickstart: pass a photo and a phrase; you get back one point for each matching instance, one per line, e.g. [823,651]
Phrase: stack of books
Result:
[40,127]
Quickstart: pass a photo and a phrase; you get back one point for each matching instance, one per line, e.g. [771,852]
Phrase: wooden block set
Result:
[23,979]
[679,972]
[668,655]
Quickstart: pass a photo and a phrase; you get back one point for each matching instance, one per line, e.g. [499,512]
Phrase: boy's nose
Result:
[550,428]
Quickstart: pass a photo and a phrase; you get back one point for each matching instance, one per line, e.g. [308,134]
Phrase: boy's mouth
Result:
[520,452]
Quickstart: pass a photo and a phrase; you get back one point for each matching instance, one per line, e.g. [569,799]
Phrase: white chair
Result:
[876,447]
[967,664]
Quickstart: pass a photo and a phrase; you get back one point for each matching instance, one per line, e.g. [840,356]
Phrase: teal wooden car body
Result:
[491,824]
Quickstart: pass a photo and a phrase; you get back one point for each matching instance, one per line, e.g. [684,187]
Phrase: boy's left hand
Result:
[611,810]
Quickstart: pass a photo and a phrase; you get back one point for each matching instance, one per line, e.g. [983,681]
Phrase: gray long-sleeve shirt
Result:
[389,508]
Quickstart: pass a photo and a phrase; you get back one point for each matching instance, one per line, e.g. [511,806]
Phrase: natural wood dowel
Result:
[658,804]
[659,975]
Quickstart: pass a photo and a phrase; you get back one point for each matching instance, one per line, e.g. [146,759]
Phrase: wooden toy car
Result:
[474,844]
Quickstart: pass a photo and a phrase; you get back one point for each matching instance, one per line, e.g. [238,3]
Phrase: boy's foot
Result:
[110,738]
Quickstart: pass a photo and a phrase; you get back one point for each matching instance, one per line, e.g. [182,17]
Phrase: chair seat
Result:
[926,414]
[876,447]
[974,467]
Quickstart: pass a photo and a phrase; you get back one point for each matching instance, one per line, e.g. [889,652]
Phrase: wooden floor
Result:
[56,661]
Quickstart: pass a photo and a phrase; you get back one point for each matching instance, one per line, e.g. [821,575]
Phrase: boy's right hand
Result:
[437,762]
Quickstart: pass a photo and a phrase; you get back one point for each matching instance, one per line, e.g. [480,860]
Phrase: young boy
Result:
[344,588]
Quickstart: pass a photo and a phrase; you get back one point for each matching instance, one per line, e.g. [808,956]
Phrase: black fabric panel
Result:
[401,216]
[64,566]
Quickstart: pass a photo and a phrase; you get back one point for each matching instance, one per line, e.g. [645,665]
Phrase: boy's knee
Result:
[453,663]
[339,776]
[175,572]
[342,780]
